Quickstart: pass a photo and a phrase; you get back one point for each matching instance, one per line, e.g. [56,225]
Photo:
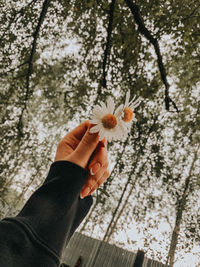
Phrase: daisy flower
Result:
[125,112]
[107,122]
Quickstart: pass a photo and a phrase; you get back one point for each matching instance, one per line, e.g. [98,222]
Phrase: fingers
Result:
[98,168]
[80,130]
[99,157]
[73,138]
[83,148]
[78,145]
[94,182]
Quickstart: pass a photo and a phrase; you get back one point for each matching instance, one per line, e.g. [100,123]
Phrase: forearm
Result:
[55,210]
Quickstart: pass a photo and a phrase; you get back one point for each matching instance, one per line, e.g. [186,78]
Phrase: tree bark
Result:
[30,62]
[180,209]
[149,36]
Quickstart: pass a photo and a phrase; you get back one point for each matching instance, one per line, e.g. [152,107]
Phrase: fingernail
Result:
[94,169]
[104,143]
[85,192]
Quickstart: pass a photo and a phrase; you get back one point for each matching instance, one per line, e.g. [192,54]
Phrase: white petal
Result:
[135,103]
[119,110]
[96,115]
[96,128]
[127,98]
[123,126]
[104,107]
[134,118]
[97,109]
[97,112]
[95,120]
[100,138]
[109,137]
[132,100]
[110,134]
[110,105]
[102,130]
[133,106]
[101,133]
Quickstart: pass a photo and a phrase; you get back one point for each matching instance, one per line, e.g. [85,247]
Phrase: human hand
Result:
[84,149]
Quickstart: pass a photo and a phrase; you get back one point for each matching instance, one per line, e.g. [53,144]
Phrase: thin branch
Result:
[115,221]
[2,74]
[102,82]
[30,61]
[143,30]
[15,17]
[117,163]
[192,13]
[116,209]
[108,41]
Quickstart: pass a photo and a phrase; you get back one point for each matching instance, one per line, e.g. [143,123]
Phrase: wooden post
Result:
[139,259]
[64,265]
[78,263]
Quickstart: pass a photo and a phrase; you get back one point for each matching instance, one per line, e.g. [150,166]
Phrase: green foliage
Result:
[64,84]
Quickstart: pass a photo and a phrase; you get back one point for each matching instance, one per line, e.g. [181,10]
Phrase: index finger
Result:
[100,154]
[79,131]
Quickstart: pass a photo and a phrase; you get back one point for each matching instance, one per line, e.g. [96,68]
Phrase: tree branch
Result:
[30,62]
[108,41]
[192,13]
[2,74]
[143,30]
[15,17]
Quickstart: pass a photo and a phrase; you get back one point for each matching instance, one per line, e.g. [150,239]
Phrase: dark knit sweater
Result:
[37,236]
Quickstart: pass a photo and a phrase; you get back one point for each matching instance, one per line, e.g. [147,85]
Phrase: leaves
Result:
[66,81]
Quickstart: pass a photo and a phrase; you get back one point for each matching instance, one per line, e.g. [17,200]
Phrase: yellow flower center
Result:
[109,121]
[128,114]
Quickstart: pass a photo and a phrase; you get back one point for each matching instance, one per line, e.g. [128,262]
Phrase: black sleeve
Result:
[37,236]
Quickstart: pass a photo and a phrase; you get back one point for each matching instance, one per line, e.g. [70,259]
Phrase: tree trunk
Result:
[110,228]
[124,205]
[180,209]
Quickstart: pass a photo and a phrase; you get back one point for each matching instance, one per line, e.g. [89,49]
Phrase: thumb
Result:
[85,148]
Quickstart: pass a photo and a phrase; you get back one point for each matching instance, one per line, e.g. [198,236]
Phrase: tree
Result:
[48,86]
[180,209]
